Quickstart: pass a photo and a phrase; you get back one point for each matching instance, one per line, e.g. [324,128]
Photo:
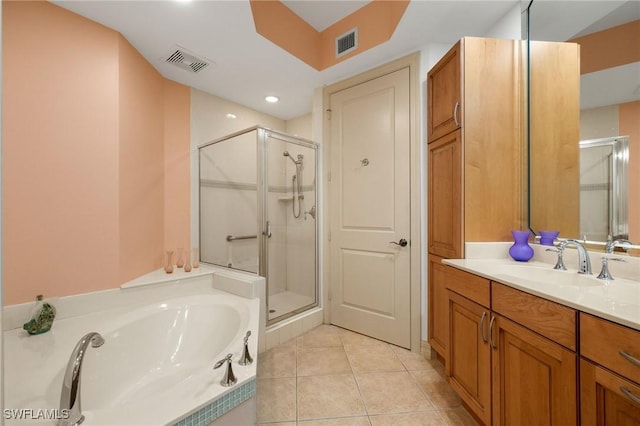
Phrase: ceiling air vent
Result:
[186,61]
[347,42]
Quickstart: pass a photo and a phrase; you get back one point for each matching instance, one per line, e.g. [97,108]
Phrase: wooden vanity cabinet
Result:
[534,358]
[439,309]
[469,367]
[512,356]
[603,401]
[534,378]
[609,373]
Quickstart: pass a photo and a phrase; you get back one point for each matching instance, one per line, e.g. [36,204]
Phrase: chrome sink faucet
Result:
[584,263]
[611,245]
[70,396]
[608,249]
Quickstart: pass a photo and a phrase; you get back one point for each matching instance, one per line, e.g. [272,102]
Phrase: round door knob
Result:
[401,243]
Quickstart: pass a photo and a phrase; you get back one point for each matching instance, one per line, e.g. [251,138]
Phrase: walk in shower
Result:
[258,209]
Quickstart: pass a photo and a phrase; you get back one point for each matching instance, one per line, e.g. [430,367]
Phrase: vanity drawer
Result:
[610,345]
[550,319]
[469,285]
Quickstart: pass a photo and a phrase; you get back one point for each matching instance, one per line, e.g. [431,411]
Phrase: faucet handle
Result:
[611,245]
[560,262]
[604,273]
[229,378]
[246,358]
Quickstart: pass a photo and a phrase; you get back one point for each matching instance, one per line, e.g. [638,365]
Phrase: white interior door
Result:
[370,208]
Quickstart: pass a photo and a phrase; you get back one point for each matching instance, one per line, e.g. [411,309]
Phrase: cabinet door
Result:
[443,93]
[469,368]
[534,379]
[607,399]
[438,307]
[445,196]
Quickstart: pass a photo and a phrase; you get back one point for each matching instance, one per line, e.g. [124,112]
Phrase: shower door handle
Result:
[401,243]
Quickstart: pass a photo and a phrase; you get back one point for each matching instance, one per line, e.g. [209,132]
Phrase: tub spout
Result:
[70,396]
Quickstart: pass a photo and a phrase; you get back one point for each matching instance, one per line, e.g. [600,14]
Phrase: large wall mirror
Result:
[604,158]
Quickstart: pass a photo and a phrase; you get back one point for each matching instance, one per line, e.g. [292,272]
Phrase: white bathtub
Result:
[155,367]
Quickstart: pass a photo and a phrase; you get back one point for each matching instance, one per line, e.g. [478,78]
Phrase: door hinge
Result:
[329,235]
[329,176]
[328,113]
[329,295]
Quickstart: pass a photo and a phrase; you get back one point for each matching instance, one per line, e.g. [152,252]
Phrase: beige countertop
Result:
[617,300]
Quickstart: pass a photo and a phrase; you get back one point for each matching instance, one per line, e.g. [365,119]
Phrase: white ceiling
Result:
[321,14]
[247,67]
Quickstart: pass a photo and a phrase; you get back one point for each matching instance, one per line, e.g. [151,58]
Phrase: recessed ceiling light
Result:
[272,99]
[231,116]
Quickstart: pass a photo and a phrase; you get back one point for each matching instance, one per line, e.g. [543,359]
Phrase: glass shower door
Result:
[229,202]
[290,214]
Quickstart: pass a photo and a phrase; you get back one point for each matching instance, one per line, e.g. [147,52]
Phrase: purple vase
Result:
[548,237]
[521,250]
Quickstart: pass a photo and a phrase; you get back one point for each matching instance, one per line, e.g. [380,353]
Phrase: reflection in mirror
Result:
[603,188]
[608,35]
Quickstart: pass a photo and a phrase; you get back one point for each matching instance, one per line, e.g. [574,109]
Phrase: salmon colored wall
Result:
[177,134]
[60,165]
[376,22]
[141,155]
[277,22]
[83,155]
[630,126]
[609,48]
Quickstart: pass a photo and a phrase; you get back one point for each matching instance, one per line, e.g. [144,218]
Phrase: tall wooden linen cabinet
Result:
[474,158]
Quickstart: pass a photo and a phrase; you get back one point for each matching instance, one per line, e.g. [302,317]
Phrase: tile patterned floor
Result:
[334,377]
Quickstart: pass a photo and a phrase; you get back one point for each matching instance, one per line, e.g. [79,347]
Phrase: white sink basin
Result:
[549,275]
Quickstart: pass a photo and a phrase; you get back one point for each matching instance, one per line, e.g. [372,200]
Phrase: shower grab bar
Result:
[240,237]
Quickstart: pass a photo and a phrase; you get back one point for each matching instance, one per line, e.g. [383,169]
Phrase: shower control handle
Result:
[401,243]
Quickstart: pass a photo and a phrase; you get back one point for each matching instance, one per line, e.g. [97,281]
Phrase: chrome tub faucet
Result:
[70,396]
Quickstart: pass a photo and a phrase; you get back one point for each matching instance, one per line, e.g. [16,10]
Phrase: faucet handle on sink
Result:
[560,262]
[604,273]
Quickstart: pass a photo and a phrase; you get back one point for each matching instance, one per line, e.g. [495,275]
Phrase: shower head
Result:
[286,154]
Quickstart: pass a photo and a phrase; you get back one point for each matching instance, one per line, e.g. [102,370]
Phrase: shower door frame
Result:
[263,236]
[618,207]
